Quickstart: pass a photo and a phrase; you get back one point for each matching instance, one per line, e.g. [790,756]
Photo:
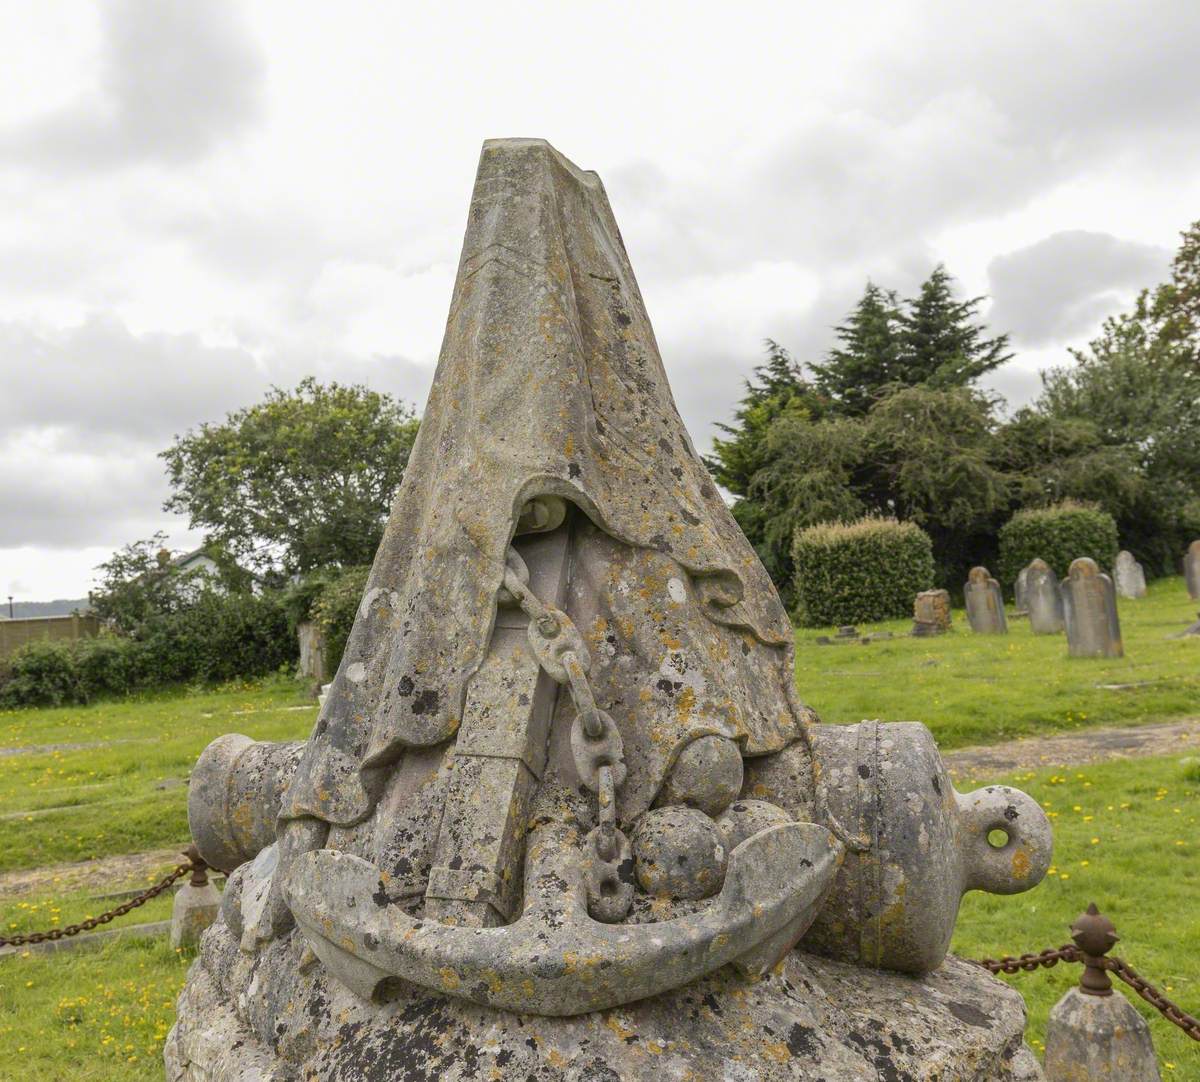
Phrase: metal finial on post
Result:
[199,867]
[1093,1032]
[1095,935]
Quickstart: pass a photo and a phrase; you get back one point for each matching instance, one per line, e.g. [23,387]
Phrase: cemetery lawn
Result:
[80,782]
[986,689]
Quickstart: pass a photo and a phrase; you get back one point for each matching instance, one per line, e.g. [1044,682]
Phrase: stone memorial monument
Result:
[563,814]
[1090,612]
[1128,576]
[985,603]
[1191,570]
[931,613]
[1043,595]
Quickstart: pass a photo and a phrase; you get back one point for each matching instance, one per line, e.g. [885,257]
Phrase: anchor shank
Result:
[498,760]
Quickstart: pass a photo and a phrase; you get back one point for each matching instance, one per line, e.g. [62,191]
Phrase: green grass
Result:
[1125,837]
[97,1015]
[94,801]
[985,689]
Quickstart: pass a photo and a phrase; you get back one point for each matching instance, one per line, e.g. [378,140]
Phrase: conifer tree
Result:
[941,344]
[867,359]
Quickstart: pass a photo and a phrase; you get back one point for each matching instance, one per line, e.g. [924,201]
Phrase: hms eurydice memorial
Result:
[563,814]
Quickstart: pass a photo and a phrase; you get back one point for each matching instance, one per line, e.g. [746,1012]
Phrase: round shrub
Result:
[1058,535]
[866,570]
[334,611]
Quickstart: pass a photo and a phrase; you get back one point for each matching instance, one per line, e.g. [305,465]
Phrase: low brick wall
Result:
[16,633]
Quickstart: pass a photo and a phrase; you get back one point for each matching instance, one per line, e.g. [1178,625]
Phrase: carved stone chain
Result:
[595,742]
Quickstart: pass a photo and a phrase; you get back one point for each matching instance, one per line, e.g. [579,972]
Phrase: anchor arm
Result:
[556,960]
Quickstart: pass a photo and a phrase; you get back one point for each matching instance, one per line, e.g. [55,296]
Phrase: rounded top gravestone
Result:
[1090,608]
[1128,576]
[985,603]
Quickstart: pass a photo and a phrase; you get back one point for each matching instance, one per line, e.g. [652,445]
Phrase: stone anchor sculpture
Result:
[563,814]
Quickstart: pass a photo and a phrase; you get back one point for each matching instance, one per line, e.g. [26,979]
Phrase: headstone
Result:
[931,613]
[312,651]
[1128,576]
[1020,591]
[985,603]
[1043,595]
[1090,611]
[1191,570]
[515,844]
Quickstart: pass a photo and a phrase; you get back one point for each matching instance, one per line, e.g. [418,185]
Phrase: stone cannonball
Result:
[707,775]
[679,853]
[745,818]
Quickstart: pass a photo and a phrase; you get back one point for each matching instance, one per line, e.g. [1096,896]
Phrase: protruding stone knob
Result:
[745,818]
[680,853]
[707,775]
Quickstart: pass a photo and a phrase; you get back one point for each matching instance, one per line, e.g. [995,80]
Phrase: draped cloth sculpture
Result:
[563,770]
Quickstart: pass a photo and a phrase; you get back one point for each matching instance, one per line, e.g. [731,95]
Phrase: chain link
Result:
[53,934]
[1049,958]
[595,741]
[1171,1011]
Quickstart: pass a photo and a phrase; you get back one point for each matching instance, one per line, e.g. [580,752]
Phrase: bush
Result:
[334,610]
[868,570]
[218,637]
[1058,535]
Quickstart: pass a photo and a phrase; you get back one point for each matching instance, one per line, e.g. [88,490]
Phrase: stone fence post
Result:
[1094,1033]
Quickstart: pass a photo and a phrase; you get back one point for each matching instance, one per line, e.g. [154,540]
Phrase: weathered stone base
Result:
[259,1019]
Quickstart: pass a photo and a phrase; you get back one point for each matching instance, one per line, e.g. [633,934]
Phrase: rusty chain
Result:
[1050,957]
[1172,1012]
[193,867]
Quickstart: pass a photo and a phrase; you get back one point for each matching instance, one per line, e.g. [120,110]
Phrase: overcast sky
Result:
[200,199]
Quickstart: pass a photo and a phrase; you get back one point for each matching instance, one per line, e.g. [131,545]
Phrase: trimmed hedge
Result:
[218,637]
[1058,535]
[867,570]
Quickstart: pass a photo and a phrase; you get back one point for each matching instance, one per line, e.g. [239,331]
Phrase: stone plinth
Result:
[1098,1039]
[811,1019]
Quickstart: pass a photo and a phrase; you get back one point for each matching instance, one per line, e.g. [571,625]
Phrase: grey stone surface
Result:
[192,911]
[1191,570]
[985,603]
[563,813]
[1098,1039]
[931,612]
[1090,611]
[1043,599]
[894,903]
[811,1020]
[1128,576]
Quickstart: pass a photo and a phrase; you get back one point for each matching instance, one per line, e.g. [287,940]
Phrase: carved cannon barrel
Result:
[234,796]
[895,904]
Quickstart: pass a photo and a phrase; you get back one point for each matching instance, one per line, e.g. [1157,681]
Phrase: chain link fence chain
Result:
[52,934]
[1049,958]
